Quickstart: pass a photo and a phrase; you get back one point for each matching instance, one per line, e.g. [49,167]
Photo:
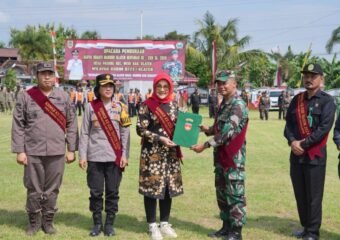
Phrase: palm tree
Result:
[2,44]
[228,44]
[335,39]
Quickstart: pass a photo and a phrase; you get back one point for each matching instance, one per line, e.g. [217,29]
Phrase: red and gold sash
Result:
[48,107]
[226,153]
[108,128]
[304,129]
[165,120]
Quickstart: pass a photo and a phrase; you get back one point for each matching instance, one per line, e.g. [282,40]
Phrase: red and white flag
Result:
[213,63]
[278,80]
[53,36]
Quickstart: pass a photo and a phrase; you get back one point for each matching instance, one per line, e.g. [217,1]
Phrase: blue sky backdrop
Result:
[270,23]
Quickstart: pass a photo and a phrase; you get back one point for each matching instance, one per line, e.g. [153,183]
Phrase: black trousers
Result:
[195,108]
[150,205]
[308,183]
[99,176]
[132,110]
[80,106]
[282,112]
[212,111]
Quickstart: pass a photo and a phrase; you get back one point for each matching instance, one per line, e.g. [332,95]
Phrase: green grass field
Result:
[271,209]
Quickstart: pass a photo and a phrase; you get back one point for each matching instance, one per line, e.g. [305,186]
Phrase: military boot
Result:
[108,227]
[234,234]
[97,224]
[47,223]
[222,232]
[34,223]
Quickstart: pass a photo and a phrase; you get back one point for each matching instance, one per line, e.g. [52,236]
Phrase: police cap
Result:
[45,66]
[312,68]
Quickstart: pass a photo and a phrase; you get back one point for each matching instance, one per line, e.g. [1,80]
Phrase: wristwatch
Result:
[207,145]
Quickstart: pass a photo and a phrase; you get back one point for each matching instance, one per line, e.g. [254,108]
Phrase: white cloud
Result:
[3,17]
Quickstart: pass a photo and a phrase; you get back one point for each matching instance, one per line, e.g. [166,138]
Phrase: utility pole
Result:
[141,25]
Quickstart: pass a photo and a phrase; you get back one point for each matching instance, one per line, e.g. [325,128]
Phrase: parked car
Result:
[274,98]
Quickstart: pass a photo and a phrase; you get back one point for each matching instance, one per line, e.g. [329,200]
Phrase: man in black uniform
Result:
[281,105]
[195,100]
[309,119]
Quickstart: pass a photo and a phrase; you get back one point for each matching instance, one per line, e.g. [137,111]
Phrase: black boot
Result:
[47,223]
[235,234]
[34,223]
[222,232]
[97,224]
[108,228]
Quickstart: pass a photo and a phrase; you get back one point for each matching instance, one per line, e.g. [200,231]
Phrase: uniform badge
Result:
[188,124]
[310,67]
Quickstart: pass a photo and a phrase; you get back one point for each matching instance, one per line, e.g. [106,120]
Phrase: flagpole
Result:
[141,25]
[53,36]
[213,64]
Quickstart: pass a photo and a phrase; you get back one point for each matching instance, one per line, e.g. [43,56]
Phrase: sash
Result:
[48,107]
[304,129]
[226,153]
[164,119]
[108,128]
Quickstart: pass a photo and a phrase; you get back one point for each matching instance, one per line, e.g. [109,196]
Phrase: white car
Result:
[274,98]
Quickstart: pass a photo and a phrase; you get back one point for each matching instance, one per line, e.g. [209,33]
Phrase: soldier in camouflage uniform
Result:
[228,139]
[174,66]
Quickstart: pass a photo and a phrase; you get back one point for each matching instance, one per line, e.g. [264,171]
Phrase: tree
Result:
[90,35]
[2,44]
[176,36]
[10,79]
[335,39]
[33,42]
[229,47]
[331,72]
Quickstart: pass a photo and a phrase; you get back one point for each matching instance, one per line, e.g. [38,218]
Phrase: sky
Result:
[273,25]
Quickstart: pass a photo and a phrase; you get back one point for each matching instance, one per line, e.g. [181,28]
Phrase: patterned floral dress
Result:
[160,168]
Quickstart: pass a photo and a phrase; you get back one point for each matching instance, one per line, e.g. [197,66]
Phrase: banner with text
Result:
[124,59]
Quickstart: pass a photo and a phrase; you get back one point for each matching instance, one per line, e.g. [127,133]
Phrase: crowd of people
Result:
[45,126]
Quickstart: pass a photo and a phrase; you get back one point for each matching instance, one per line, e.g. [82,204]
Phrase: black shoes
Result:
[223,232]
[234,234]
[47,223]
[108,227]
[299,233]
[97,224]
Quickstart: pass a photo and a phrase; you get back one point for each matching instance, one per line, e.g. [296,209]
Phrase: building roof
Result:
[9,52]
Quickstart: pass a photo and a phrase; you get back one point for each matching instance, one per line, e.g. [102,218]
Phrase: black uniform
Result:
[281,106]
[308,176]
[195,100]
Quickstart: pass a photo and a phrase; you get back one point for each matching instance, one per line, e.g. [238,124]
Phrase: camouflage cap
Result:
[173,52]
[223,75]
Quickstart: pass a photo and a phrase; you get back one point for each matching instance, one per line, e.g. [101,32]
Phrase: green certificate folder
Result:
[187,129]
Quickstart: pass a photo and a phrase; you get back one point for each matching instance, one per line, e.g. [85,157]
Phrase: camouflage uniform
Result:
[174,68]
[230,189]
